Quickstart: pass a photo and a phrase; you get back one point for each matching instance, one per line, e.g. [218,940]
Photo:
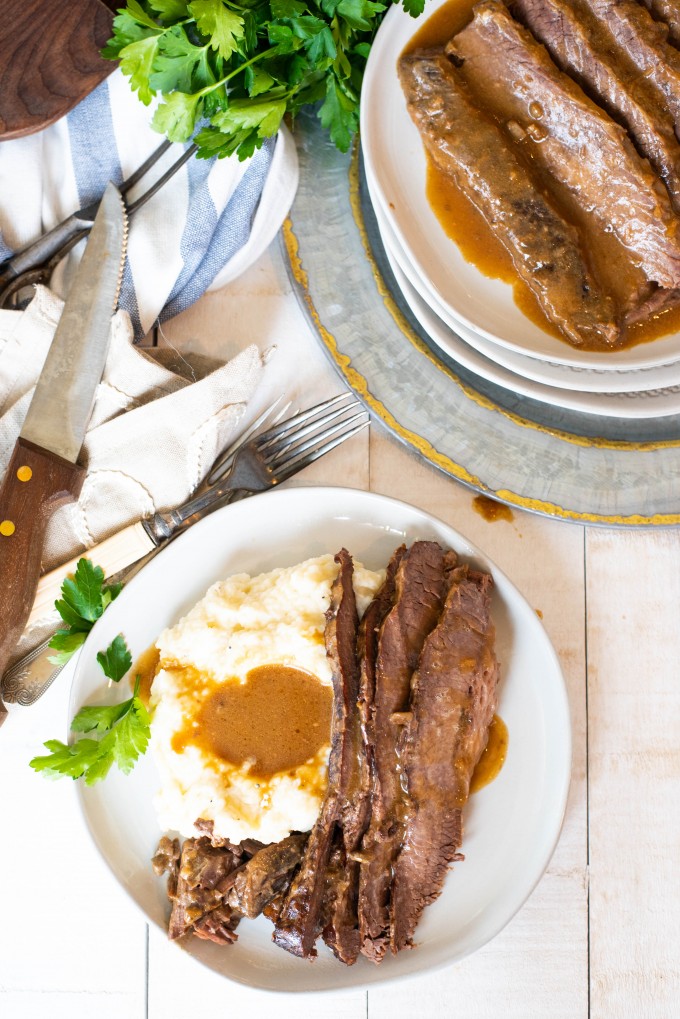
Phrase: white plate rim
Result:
[546,373]
[462,347]
[559,794]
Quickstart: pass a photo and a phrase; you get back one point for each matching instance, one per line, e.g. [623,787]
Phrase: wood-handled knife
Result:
[43,473]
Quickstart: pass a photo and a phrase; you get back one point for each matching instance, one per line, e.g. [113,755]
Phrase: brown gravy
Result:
[491,510]
[468,229]
[493,758]
[146,668]
[277,720]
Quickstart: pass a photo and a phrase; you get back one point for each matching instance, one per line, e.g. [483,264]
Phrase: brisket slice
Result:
[199,900]
[645,43]
[546,251]
[300,920]
[420,588]
[341,922]
[581,48]
[454,699]
[571,138]
[667,11]
[266,875]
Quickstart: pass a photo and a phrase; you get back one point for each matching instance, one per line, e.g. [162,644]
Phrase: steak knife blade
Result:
[43,473]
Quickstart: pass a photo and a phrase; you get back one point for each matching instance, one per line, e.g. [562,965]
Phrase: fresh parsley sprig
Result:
[83,599]
[229,70]
[123,730]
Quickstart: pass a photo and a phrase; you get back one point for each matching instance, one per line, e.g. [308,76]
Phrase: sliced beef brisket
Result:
[581,47]
[341,922]
[645,43]
[546,251]
[300,921]
[562,125]
[453,702]
[667,11]
[420,587]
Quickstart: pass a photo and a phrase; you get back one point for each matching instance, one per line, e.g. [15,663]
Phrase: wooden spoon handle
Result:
[36,484]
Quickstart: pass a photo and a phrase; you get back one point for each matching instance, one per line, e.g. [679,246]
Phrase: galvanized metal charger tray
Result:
[560,463]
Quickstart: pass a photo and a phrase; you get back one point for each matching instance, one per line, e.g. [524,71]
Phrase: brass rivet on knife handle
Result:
[54,482]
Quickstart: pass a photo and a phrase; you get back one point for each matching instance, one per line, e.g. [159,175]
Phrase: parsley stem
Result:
[232,74]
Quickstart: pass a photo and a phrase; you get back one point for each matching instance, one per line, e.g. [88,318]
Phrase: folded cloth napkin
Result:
[152,437]
[211,221]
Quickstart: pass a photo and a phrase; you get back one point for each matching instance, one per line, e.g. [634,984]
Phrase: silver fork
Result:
[263,461]
[267,460]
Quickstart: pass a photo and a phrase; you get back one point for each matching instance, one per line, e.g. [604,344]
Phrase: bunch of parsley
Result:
[122,730]
[233,68]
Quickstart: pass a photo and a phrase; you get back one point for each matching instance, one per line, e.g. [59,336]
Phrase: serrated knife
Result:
[43,473]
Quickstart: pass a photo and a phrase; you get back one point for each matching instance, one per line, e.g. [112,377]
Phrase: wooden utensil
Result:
[43,473]
[49,59]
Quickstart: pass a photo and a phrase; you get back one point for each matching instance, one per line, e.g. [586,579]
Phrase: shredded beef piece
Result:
[206,874]
[167,859]
[266,874]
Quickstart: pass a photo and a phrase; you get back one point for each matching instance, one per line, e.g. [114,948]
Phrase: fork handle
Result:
[112,554]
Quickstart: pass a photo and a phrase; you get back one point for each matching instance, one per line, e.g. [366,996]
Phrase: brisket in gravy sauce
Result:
[610,262]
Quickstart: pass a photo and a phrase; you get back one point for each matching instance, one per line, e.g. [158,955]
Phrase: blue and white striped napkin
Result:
[205,227]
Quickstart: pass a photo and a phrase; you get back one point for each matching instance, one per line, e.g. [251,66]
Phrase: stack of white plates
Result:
[471,317]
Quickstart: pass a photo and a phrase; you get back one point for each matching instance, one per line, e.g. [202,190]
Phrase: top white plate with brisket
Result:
[360,742]
[526,156]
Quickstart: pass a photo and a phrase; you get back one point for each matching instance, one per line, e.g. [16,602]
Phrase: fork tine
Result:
[223,462]
[298,464]
[157,185]
[293,452]
[292,424]
[135,177]
[293,439]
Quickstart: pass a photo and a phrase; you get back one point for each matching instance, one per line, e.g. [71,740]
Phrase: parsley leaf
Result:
[116,660]
[176,62]
[124,729]
[66,643]
[169,9]
[83,599]
[339,114]
[223,27]
[84,593]
[176,116]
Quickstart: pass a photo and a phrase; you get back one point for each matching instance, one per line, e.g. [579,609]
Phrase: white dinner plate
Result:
[461,345]
[557,376]
[396,169]
[511,826]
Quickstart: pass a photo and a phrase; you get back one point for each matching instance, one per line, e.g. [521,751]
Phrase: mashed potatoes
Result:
[242,703]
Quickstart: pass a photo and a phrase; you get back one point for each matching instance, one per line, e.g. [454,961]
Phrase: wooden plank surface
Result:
[609,603]
[634,769]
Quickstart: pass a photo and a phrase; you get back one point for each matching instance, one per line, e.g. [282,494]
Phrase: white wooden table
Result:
[600,936]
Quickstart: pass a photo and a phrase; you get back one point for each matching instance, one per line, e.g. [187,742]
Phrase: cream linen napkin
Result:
[152,436]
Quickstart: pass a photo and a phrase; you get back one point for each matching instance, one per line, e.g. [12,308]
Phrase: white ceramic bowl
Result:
[511,826]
